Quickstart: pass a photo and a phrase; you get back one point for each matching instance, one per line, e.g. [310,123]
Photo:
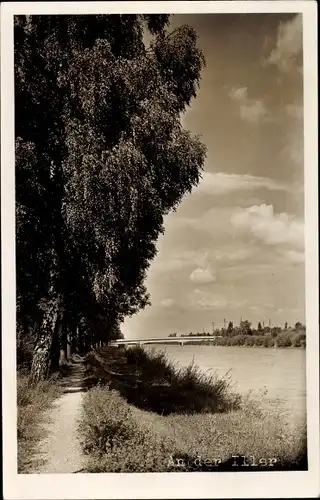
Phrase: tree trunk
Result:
[42,357]
[55,351]
[74,339]
[63,342]
[41,360]
[69,350]
[63,356]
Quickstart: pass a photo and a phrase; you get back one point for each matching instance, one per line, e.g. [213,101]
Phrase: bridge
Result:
[164,340]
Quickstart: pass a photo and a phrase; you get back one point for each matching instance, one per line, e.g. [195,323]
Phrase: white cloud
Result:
[251,110]
[200,299]
[220,183]
[288,45]
[167,302]
[293,256]
[269,227]
[240,94]
[202,276]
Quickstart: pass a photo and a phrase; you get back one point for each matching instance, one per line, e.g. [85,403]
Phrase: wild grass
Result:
[32,402]
[191,422]
[118,437]
[151,382]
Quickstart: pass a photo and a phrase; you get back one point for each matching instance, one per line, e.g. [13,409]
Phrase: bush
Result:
[115,439]
[284,340]
[106,421]
[258,341]
[268,341]
[249,341]
[238,340]
[299,340]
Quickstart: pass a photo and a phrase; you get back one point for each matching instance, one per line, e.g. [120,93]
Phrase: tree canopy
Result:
[101,158]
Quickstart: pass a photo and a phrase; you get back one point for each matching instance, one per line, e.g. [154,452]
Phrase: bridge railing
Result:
[177,340]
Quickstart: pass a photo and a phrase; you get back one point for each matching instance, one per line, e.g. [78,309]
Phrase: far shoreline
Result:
[212,344]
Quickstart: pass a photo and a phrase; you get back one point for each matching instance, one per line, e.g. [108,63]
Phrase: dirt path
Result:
[60,450]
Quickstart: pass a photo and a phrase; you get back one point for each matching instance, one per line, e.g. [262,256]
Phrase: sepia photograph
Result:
[160,297]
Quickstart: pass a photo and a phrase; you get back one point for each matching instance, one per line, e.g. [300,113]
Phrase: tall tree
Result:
[245,327]
[100,142]
[230,329]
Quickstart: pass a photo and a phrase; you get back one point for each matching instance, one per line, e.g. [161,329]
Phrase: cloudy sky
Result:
[234,248]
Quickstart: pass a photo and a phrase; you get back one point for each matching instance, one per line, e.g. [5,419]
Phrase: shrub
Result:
[284,340]
[115,439]
[249,341]
[268,341]
[238,340]
[106,421]
[258,341]
[299,340]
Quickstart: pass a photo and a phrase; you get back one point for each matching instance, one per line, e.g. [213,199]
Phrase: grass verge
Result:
[151,382]
[32,402]
[119,436]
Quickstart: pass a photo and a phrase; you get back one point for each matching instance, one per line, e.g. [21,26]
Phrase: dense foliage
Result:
[262,336]
[101,157]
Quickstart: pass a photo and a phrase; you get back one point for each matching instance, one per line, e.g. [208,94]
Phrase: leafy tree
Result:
[299,326]
[230,329]
[245,327]
[101,157]
[260,330]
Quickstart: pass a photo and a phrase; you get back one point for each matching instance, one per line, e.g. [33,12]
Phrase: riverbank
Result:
[148,415]
[286,340]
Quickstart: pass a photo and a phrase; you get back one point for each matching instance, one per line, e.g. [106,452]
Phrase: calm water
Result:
[281,371]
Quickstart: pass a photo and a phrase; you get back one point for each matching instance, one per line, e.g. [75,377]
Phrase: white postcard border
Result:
[159,485]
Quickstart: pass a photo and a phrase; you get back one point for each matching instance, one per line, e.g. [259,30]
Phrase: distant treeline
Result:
[245,335]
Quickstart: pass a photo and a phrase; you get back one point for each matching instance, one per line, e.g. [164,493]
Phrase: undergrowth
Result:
[117,437]
[151,382]
[32,402]
[123,429]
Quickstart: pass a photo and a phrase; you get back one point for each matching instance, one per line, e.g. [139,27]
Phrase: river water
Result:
[280,371]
